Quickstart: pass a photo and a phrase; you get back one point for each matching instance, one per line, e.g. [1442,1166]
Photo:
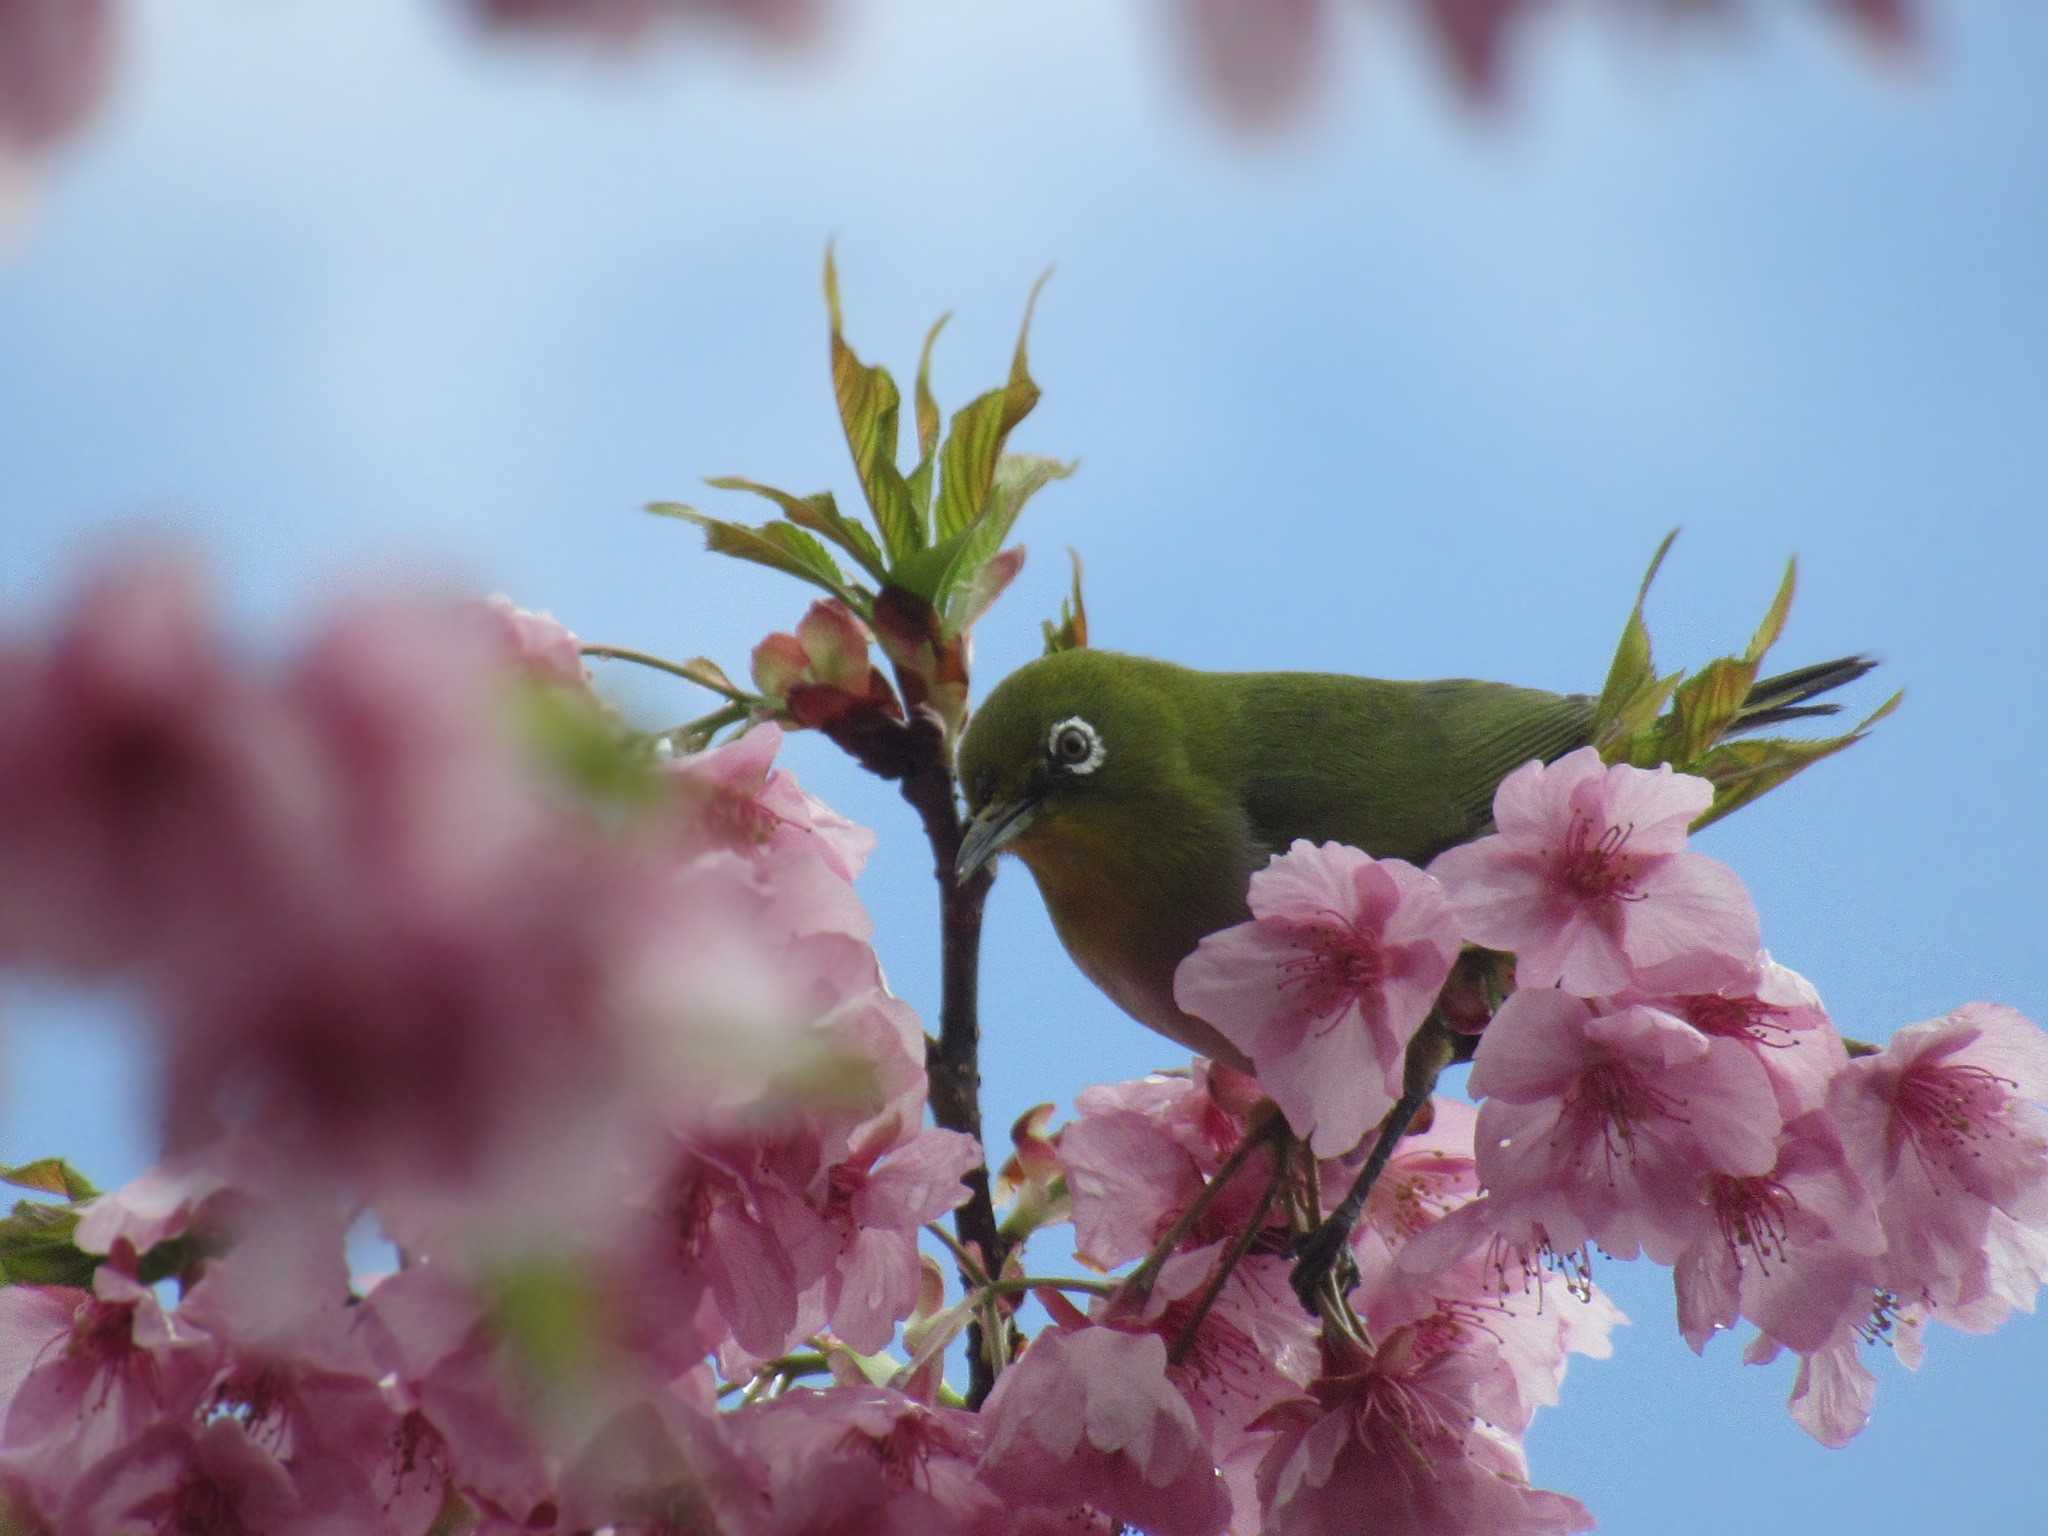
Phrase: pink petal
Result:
[1533,1048]
[1692,927]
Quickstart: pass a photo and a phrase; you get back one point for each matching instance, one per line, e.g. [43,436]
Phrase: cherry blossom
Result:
[463,1420]
[852,1460]
[876,1200]
[543,646]
[1781,1019]
[1944,1126]
[95,1369]
[1396,1430]
[1088,1416]
[1794,1250]
[821,675]
[163,1203]
[1326,985]
[665,1461]
[214,1477]
[56,61]
[1597,1126]
[1138,1154]
[1431,1173]
[1591,886]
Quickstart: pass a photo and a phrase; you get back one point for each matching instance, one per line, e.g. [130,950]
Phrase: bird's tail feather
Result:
[1774,700]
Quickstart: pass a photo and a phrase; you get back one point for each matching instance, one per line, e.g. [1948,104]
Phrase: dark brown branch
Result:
[953,1062]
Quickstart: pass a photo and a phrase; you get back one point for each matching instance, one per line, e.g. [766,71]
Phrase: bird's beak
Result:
[993,829]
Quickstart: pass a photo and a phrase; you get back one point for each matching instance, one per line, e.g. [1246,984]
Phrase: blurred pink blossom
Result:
[623,23]
[664,1461]
[212,1476]
[544,646]
[56,62]
[1262,61]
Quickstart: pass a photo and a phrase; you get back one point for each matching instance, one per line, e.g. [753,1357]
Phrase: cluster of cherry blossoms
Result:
[589,1025]
[1653,1083]
[599,1043]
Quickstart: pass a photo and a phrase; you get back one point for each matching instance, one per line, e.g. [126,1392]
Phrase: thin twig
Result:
[1017,1287]
[648,659]
[1245,1238]
[1139,1281]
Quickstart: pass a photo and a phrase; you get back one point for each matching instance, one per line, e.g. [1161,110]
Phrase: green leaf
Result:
[1711,701]
[51,1176]
[1071,633]
[1634,674]
[779,546]
[1703,709]
[920,481]
[967,461]
[973,597]
[974,442]
[927,407]
[1018,477]
[931,573]
[868,407]
[1773,625]
[820,514]
[36,1247]
[1741,771]
[706,673]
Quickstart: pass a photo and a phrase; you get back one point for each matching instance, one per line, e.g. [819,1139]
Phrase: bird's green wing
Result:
[1402,770]
[1491,729]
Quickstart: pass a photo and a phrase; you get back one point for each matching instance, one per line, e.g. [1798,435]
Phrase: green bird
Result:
[1142,796]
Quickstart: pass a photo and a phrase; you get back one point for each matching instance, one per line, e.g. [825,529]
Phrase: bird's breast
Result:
[1128,917]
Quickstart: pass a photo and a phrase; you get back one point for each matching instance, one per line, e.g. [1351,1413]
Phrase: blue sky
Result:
[339,292]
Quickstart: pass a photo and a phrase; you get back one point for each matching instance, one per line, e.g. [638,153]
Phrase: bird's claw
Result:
[1321,1254]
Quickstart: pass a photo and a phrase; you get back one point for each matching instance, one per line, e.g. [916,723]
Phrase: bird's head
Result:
[1080,739]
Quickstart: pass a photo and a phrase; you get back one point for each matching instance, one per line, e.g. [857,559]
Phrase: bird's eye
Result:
[1074,746]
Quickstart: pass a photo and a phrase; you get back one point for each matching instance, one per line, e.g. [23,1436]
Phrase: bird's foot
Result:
[1322,1254]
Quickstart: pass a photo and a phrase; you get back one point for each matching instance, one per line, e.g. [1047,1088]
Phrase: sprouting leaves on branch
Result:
[1644,718]
[937,557]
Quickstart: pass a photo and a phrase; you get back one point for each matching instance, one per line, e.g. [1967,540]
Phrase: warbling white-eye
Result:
[1142,796]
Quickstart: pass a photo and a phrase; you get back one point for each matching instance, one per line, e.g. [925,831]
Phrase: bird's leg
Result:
[1317,1255]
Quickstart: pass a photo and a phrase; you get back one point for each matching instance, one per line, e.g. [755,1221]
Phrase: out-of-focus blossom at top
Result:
[1263,59]
[56,58]
[1258,60]
[624,23]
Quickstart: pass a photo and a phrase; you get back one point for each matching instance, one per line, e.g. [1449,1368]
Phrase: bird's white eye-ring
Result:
[1074,746]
